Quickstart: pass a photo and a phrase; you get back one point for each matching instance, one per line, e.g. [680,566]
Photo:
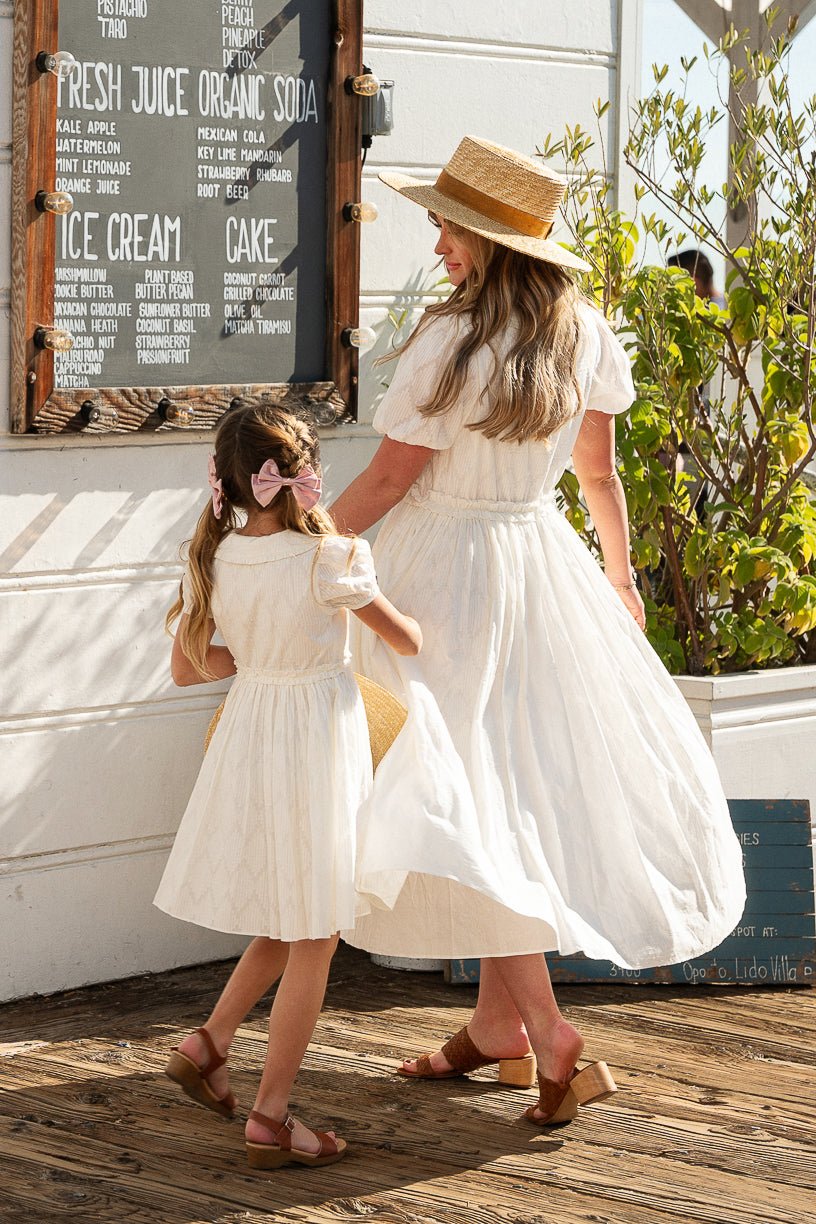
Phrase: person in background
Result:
[699,268]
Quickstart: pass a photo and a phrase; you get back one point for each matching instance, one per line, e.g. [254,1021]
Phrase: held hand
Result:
[630,596]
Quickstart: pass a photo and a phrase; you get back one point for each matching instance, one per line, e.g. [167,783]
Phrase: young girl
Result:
[267,843]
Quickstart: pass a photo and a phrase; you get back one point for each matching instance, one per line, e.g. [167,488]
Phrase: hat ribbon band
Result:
[496,210]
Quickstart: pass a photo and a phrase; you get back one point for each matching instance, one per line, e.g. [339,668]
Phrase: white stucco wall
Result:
[98,751]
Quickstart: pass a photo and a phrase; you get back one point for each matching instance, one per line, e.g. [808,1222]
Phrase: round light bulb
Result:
[53,338]
[176,414]
[324,412]
[102,413]
[359,337]
[365,85]
[59,202]
[59,63]
[361,212]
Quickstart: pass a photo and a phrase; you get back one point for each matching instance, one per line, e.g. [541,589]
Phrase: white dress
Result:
[597,821]
[267,843]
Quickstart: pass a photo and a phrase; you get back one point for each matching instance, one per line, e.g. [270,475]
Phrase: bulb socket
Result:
[54,339]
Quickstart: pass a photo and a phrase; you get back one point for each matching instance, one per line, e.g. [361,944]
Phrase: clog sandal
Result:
[275,1155]
[193,1079]
[558,1103]
[464,1056]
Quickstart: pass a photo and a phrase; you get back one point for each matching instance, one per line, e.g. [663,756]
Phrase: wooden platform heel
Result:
[593,1083]
[518,1072]
[558,1103]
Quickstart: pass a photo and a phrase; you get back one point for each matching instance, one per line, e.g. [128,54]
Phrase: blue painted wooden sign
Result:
[774,942]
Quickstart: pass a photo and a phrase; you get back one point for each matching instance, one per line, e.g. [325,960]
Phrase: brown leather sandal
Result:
[193,1079]
[464,1056]
[558,1103]
[275,1155]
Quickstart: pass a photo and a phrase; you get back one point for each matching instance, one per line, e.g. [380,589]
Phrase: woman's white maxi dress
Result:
[596,820]
[267,843]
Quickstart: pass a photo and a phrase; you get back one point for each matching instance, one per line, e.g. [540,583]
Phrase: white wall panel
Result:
[141,765]
[440,97]
[583,25]
[94,923]
[83,507]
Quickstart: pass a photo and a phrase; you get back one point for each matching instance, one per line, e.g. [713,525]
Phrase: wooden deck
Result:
[715,1121]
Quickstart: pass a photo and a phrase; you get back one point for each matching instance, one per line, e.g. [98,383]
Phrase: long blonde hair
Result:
[247,436]
[534,389]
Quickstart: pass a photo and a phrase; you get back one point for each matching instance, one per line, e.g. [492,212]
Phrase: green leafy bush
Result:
[715,451]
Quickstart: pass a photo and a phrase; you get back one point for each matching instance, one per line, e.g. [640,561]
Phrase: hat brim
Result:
[428,196]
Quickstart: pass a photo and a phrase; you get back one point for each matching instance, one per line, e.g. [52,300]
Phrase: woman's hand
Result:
[631,600]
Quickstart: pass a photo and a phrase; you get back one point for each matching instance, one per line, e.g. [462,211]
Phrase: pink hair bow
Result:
[267,483]
[216,486]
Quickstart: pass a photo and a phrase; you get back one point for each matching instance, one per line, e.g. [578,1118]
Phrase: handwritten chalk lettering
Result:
[143,237]
[250,239]
[237,191]
[101,127]
[222,96]
[111,310]
[91,86]
[159,91]
[104,166]
[96,291]
[296,100]
[237,14]
[275,327]
[71,127]
[76,236]
[273,174]
[208,191]
[75,186]
[121,8]
[217,133]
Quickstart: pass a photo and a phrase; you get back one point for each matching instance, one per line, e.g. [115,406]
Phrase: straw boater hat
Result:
[497,193]
[384,713]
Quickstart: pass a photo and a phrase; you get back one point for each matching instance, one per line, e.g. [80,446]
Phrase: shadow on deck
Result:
[714,1121]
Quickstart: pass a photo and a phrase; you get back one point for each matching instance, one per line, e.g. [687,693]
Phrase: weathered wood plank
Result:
[713,1123]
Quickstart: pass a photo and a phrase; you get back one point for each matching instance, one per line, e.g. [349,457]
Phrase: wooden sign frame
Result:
[37,406]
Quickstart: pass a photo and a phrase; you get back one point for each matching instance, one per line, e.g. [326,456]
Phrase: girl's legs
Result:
[292,1021]
[258,969]
[496,1028]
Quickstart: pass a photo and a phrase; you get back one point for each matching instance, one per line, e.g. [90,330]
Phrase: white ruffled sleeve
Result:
[611,389]
[344,574]
[414,382]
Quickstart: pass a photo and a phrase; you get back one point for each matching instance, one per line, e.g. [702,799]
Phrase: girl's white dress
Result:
[596,819]
[267,843]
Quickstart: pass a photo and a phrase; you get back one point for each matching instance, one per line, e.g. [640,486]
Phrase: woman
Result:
[599,822]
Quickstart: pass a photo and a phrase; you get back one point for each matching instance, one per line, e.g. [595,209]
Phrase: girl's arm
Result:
[219,661]
[385,481]
[593,457]
[400,632]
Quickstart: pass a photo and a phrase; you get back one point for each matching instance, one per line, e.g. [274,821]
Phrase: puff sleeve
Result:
[415,380]
[611,389]
[344,574]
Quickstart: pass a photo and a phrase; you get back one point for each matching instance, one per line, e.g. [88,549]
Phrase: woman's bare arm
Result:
[219,661]
[383,484]
[593,457]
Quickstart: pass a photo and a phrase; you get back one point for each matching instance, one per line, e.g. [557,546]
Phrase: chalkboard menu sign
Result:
[208,150]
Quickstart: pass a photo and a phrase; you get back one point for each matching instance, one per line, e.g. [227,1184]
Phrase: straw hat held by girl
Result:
[600,823]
